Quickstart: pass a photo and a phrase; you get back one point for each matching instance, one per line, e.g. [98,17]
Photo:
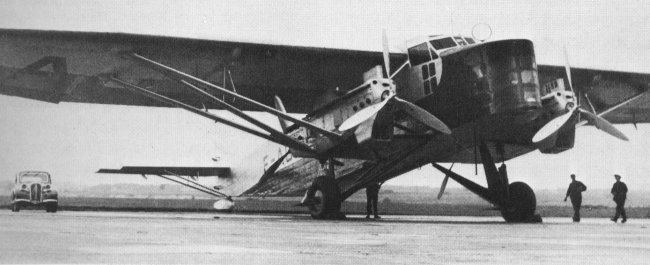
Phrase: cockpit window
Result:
[419,54]
[443,43]
[460,41]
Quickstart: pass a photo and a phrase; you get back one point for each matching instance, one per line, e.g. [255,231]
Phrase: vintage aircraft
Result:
[453,99]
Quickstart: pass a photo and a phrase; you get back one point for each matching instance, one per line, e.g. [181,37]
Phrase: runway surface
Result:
[123,237]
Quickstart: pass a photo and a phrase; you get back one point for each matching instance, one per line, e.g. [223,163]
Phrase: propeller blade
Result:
[567,68]
[443,186]
[552,126]
[362,115]
[603,125]
[422,116]
[384,44]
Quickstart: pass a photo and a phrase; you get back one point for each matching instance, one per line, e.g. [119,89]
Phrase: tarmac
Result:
[32,236]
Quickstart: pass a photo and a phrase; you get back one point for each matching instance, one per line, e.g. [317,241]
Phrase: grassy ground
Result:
[287,205]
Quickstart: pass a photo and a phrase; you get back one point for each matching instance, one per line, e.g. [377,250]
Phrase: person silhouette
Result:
[619,190]
[372,197]
[575,192]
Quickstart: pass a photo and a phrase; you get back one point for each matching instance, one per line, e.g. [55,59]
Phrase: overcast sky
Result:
[73,140]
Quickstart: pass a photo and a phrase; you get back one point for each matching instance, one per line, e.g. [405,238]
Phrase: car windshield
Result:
[31,177]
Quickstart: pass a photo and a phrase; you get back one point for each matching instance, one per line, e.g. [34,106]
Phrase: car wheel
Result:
[15,207]
[51,208]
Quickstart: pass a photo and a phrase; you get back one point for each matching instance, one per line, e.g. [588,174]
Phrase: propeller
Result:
[409,108]
[603,125]
[443,186]
[555,124]
[384,45]
[363,115]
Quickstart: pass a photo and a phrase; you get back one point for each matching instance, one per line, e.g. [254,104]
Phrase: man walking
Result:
[372,196]
[575,192]
[619,190]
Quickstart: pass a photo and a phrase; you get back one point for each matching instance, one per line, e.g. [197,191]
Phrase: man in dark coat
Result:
[619,190]
[372,196]
[575,192]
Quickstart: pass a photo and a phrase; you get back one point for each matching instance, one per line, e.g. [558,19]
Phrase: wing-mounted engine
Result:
[556,98]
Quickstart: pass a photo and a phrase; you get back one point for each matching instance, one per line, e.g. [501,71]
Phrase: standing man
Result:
[619,190]
[372,196]
[575,192]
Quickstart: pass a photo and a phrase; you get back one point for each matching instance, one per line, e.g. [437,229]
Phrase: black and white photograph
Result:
[324,132]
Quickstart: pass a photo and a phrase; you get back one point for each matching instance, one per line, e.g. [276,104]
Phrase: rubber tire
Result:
[329,206]
[51,208]
[521,204]
[15,207]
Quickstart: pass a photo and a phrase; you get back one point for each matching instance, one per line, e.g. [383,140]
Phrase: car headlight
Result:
[23,187]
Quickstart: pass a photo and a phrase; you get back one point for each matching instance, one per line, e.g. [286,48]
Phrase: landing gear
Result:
[520,205]
[516,200]
[15,207]
[324,199]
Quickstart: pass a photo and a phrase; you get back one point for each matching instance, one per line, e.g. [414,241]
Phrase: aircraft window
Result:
[460,41]
[433,54]
[427,89]
[527,63]
[443,43]
[434,84]
[513,78]
[470,40]
[528,76]
[368,101]
[425,71]
[355,108]
[419,54]
[361,105]
[432,69]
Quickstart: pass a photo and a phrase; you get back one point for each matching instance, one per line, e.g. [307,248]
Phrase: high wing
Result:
[58,67]
[620,97]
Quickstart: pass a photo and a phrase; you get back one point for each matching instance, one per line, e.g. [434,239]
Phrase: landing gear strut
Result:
[516,200]
[324,197]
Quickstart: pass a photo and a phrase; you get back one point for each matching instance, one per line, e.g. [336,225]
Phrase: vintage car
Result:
[34,188]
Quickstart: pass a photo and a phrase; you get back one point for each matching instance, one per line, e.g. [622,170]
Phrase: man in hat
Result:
[575,192]
[619,190]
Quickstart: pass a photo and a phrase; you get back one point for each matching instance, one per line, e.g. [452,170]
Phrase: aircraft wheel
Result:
[15,207]
[325,199]
[521,204]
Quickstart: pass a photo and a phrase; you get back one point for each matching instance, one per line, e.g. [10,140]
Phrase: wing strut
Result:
[211,116]
[207,191]
[281,137]
[183,76]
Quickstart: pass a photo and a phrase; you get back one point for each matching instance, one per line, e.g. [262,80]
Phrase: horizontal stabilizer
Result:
[182,171]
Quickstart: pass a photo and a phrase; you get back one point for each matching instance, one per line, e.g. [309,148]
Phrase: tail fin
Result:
[279,106]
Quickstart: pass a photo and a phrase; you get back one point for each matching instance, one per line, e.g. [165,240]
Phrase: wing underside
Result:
[76,67]
[619,97]
[183,171]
